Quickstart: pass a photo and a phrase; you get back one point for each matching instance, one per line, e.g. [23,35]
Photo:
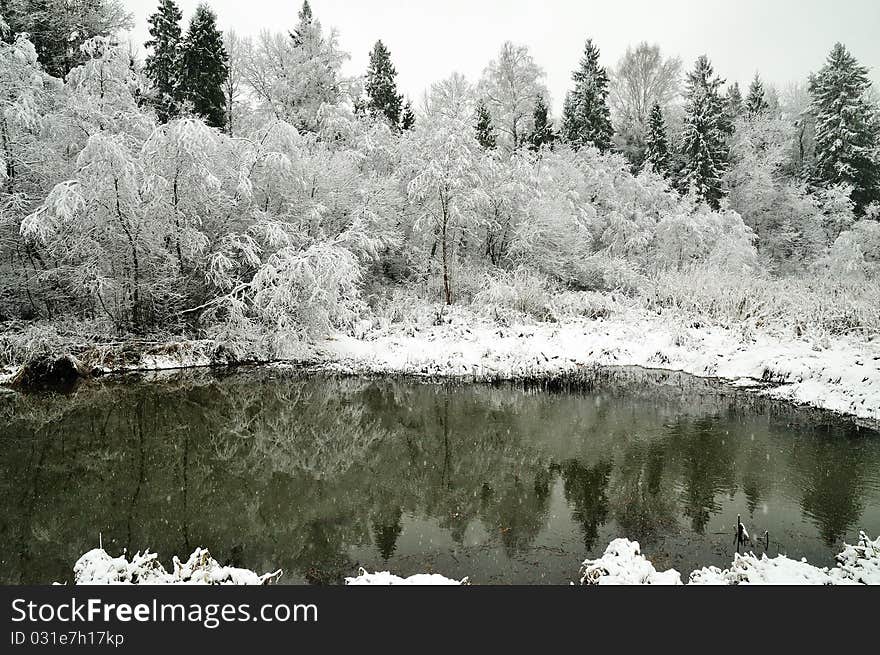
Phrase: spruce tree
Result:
[586,117]
[756,101]
[408,117]
[485,129]
[543,133]
[706,129]
[305,23]
[734,100]
[382,97]
[847,136]
[657,143]
[205,67]
[163,66]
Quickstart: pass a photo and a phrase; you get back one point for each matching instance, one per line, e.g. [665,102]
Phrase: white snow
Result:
[97,567]
[842,375]
[386,578]
[623,563]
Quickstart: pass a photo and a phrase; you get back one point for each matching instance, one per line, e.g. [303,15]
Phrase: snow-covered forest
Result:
[245,191]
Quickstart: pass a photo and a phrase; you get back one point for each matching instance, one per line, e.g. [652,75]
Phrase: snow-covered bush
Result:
[522,291]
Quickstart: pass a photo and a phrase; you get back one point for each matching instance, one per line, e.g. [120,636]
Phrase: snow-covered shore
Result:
[621,564]
[841,375]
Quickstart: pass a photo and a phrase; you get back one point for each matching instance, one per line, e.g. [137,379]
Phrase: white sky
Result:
[429,39]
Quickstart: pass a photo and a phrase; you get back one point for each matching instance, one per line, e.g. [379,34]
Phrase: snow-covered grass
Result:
[841,374]
[623,563]
[97,567]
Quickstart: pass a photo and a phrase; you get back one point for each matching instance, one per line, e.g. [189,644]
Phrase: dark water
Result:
[319,475]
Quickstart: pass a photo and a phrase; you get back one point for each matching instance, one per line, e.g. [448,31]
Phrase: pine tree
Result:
[543,133]
[305,23]
[485,129]
[205,67]
[656,142]
[382,97]
[847,135]
[734,100]
[408,117]
[706,129]
[756,101]
[162,65]
[586,117]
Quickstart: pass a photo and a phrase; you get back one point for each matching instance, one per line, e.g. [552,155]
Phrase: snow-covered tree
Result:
[756,102]
[657,143]
[407,116]
[641,79]
[847,128]
[59,28]
[735,105]
[542,134]
[205,67]
[509,86]
[292,78]
[484,128]
[586,118]
[383,100]
[704,141]
[163,64]
[453,97]
[442,155]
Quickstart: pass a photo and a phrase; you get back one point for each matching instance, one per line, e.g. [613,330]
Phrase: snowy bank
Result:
[386,578]
[841,375]
[623,563]
[96,567]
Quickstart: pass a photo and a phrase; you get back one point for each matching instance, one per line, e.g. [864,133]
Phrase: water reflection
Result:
[319,475]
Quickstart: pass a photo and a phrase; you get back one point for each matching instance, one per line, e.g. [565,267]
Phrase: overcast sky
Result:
[428,40]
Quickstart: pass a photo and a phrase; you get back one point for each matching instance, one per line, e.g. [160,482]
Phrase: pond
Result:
[318,474]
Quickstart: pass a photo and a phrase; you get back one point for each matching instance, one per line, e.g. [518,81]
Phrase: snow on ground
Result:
[842,375]
[623,563]
[386,578]
[96,567]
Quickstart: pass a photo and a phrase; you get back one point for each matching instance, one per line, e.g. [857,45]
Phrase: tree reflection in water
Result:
[318,475]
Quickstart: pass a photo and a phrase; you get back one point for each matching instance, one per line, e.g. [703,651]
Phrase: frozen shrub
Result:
[521,290]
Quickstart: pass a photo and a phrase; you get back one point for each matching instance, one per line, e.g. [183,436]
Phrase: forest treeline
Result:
[247,190]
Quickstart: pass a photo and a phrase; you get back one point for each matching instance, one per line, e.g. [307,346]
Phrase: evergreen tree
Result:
[543,133]
[734,100]
[756,101]
[58,28]
[162,65]
[382,97]
[846,127]
[305,23]
[586,117]
[205,67]
[485,129]
[408,117]
[706,129]
[656,142]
